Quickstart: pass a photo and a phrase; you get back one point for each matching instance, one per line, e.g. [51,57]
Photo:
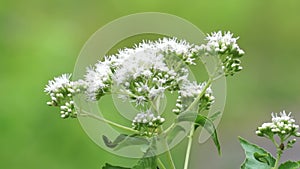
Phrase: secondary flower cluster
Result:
[147,122]
[226,47]
[282,125]
[61,91]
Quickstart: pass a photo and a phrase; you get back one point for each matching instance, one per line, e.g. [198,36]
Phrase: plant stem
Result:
[190,136]
[188,150]
[169,128]
[87,114]
[193,104]
[161,165]
[156,106]
[279,153]
[169,155]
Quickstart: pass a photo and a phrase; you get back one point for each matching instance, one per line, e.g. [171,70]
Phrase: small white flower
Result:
[145,120]
[98,79]
[58,83]
[61,91]
[282,124]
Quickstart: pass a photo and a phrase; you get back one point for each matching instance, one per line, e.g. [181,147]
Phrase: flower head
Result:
[282,125]
[225,46]
[61,91]
[147,122]
[98,79]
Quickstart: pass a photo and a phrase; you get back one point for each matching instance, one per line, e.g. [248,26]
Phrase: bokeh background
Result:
[40,39]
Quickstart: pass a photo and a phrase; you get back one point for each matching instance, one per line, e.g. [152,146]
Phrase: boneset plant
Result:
[280,132]
[142,75]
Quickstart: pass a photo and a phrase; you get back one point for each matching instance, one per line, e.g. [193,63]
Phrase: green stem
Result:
[188,150]
[274,142]
[195,102]
[279,153]
[156,106]
[190,136]
[160,163]
[170,157]
[87,114]
[169,129]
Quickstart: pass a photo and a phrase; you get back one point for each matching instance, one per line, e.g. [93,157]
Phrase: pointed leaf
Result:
[187,116]
[210,128]
[290,165]
[261,157]
[148,161]
[256,157]
[203,121]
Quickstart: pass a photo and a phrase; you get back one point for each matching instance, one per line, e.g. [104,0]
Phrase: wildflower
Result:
[147,122]
[61,91]
[98,79]
[282,125]
[144,74]
[226,47]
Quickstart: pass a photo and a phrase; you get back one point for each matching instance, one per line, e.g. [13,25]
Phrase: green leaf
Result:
[290,165]
[177,129]
[256,157]
[203,121]
[210,128]
[187,116]
[124,141]
[108,166]
[149,159]
[146,163]
[261,157]
[113,144]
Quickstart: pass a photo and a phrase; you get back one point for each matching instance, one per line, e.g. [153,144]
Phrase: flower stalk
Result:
[142,75]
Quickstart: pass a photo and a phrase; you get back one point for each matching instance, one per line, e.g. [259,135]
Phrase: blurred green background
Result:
[41,39]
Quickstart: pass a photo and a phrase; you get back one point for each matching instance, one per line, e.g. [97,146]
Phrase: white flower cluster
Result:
[146,122]
[143,73]
[220,42]
[283,125]
[225,45]
[61,91]
[189,91]
[98,79]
